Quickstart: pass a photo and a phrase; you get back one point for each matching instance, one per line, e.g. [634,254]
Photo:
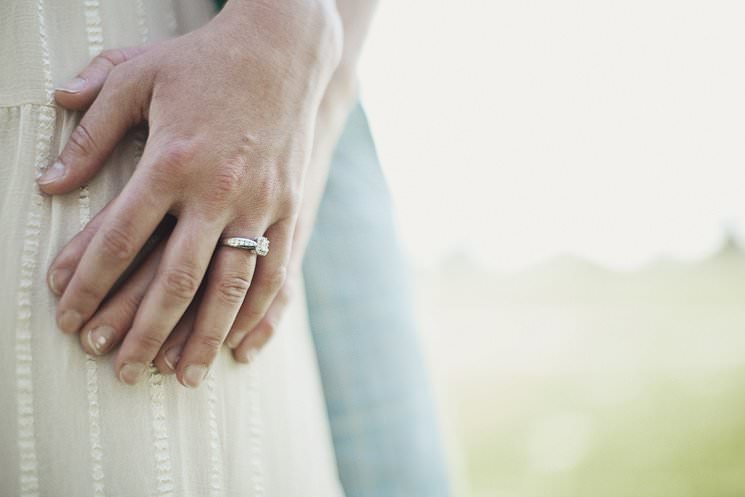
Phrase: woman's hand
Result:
[110,323]
[114,317]
[230,109]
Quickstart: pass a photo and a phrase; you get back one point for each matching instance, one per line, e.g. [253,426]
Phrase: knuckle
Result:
[275,279]
[112,56]
[148,344]
[126,305]
[232,288]
[87,292]
[252,315]
[117,243]
[174,157]
[115,80]
[181,282]
[130,302]
[90,229]
[208,341]
[228,180]
[118,312]
[178,152]
[81,141]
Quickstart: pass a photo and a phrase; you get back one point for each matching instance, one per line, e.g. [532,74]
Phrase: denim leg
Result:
[377,389]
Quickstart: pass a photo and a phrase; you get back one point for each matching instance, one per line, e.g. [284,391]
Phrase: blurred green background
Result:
[570,380]
[516,131]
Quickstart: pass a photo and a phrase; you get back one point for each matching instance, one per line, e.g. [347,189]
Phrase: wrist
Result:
[297,27]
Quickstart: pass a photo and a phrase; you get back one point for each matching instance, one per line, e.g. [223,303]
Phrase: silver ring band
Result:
[260,244]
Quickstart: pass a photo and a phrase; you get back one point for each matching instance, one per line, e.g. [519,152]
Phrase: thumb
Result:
[79,92]
[103,125]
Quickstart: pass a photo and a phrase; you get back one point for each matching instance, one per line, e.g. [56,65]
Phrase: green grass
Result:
[572,381]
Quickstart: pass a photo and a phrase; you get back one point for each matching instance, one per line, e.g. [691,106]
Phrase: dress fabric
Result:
[67,426]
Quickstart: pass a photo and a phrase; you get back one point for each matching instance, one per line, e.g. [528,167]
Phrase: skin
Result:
[341,95]
[220,172]
[218,176]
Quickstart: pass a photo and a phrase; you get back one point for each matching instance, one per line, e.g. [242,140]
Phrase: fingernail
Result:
[100,337]
[73,86]
[131,373]
[172,356]
[70,321]
[194,374]
[55,172]
[58,280]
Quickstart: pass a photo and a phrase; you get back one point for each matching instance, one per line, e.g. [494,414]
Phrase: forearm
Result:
[341,95]
[281,21]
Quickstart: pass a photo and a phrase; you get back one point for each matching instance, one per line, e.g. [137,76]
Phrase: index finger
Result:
[134,216]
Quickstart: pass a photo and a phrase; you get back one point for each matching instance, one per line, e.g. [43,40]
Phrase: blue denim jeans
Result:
[378,395]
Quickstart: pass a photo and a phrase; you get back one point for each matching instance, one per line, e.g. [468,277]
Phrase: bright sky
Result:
[523,129]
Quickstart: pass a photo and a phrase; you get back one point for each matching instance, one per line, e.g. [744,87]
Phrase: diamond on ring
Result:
[260,244]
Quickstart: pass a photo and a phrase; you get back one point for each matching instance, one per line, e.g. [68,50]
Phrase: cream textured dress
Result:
[68,428]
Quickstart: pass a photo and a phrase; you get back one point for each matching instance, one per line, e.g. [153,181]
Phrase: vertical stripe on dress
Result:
[94,34]
[165,483]
[164,480]
[171,20]
[28,474]
[216,462]
[93,26]
[256,462]
[94,426]
[142,20]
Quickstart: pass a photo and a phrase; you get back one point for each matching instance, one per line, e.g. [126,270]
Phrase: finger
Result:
[271,272]
[79,92]
[115,110]
[112,321]
[227,283]
[134,215]
[169,355]
[66,261]
[260,335]
[180,273]
[64,264]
